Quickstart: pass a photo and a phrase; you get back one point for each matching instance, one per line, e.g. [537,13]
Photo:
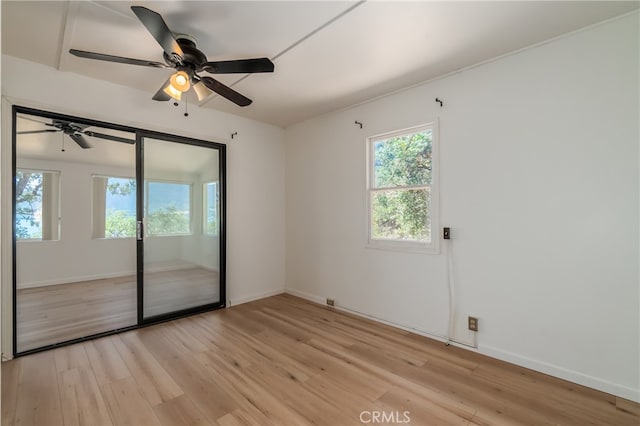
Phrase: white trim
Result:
[205,204]
[149,268]
[563,373]
[77,279]
[432,247]
[6,228]
[522,361]
[257,296]
[307,296]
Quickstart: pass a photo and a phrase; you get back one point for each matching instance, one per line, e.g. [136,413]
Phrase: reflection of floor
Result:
[180,289]
[53,314]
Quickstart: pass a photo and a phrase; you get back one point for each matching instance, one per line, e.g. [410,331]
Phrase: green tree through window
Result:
[400,190]
[28,204]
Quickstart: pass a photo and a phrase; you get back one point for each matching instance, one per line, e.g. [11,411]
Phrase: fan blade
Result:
[239,66]
[80,140]
[108,137]
[158,29]
[226,91]
[119,59]
[29,132]
[161,95]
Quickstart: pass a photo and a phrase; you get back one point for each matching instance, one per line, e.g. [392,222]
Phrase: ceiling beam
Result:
[67,33]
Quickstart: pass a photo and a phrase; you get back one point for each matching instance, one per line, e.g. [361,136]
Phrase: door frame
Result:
[139,133]
[140,197]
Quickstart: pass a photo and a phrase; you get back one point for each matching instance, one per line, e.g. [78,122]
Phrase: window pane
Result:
[120,208]
[403,160]
[37,210]
[401,215]
[168,208]
[211,208]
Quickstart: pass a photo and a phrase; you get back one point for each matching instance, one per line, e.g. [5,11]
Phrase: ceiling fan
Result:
[180,53]
[75,131]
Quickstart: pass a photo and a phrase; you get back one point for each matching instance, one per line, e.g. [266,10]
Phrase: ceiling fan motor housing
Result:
[191,57]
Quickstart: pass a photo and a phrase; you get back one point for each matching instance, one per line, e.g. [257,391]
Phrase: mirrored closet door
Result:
[180,238]
[114,228]
[74,230]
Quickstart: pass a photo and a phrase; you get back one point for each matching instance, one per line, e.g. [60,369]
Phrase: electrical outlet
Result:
[473,323]
[446,233]
[331,302]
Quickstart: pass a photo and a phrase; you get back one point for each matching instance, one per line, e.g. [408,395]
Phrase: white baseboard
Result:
[76,279]
[246,299]
[563,373]
[532,364]
[307,296]
[151,268]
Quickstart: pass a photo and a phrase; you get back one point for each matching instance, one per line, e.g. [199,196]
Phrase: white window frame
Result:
[95,212]
[146,207]
[432,247]
[205,200]
[57,193]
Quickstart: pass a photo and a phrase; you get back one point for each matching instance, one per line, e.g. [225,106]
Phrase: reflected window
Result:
[210,196]
[114,207]
[168,208]
[37,205]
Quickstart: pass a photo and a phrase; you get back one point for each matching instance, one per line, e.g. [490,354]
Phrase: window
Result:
[210,196]
[114,207]
[402,195]
[168,208]
[37,205]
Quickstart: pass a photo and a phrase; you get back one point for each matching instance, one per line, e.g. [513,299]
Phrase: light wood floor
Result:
[54,314]
[285,361]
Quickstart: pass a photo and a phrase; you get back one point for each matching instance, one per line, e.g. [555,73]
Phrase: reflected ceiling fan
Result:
[75,131]
[180,53]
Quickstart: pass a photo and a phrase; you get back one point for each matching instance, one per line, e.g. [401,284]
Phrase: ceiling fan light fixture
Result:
[201,91]
[173,92]
[180,81]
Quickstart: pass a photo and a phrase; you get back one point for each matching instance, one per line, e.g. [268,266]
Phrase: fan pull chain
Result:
[186,107]
[62,134]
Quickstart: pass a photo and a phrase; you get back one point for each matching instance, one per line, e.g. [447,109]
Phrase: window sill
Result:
[406,247]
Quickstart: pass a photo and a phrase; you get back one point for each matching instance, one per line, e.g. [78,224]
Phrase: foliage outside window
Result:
[37,205]
[401,174]
[114,207]
[168,208]
[210,191]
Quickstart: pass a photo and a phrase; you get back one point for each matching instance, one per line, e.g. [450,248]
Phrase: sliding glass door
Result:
[113,228]
[179,227]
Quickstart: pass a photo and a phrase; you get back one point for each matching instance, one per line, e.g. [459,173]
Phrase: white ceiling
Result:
[161,157]
[327,54]
[48,146]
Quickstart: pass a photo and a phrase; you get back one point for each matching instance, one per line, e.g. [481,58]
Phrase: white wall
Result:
[76,256]
[539,183]
[255,167]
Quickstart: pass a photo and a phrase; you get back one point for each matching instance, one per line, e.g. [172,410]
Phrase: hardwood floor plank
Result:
[180,411]
[71,357]
[105,360]
[38,386]
[286,361]
[155,383]
[10,380]
[126,405]
[248,394]
[81,399]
